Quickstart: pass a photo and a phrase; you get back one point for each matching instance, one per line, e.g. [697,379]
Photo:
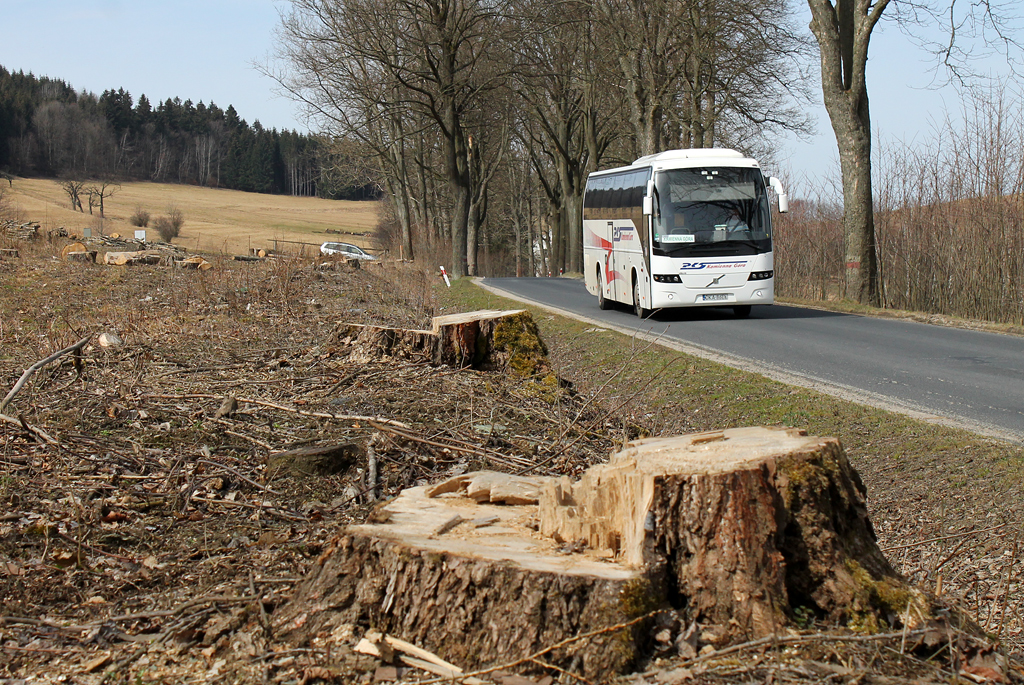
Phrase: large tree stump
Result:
[484,339]
[735,530]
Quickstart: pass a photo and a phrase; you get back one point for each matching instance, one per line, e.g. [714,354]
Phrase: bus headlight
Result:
[669,278]
[760,275]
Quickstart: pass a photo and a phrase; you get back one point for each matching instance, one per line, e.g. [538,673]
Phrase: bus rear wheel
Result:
[602,302]
[741,311]
[637,307]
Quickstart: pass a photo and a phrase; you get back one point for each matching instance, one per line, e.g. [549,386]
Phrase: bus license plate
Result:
[715,298]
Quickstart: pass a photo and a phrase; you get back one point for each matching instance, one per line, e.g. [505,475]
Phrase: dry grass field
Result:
[228,221]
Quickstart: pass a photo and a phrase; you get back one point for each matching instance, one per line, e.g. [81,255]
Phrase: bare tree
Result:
[74,189]
[564,111]
[688,66]
[99,191]
[843,31]
[587,83]
[393,62]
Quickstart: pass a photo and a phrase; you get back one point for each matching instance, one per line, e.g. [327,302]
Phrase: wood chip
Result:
[485,521]
[96,664]
[448,525]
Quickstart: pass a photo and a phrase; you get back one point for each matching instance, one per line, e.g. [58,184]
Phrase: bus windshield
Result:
[713,210]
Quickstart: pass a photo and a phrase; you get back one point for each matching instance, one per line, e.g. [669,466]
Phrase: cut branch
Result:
[38,365]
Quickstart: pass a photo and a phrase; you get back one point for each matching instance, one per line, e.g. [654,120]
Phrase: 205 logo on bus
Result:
[696,266]
[622,233]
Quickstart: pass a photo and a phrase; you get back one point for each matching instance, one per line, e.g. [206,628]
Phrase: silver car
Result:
[346,250]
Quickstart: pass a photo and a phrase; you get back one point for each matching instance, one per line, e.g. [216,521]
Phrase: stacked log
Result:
[737,531]
[16,230]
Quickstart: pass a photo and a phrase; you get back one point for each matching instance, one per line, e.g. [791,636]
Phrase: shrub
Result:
[176,218]
[169,227]
[140,218]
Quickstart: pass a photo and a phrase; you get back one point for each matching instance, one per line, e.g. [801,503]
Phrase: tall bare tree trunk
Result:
[472,239]
[843,32]
[861,257]
[532,236]
[402,181]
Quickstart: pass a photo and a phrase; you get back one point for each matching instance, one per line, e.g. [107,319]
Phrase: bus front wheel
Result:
[602,302]
[637,307]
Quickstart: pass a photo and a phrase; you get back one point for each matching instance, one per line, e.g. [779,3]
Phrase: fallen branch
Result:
[243,436]
[247,480]
[38,432]
[510,461]
[792,640]
[73,628]
[270,509]
[274,405]
[38,365]
[944,537]
[384,647]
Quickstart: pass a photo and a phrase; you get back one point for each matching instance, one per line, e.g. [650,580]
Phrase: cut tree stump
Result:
[738,531]
[322,460]
[86,256]
[131,258]
[194,262]
[485,339]
[72,248]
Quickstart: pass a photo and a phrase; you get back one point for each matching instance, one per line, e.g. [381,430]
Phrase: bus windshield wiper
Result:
[738,241]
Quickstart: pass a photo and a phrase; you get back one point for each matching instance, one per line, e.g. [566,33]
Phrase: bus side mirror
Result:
[776,185]
[648,205]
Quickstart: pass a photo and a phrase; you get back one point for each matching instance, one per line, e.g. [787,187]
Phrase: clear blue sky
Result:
[192,49]
[204,50]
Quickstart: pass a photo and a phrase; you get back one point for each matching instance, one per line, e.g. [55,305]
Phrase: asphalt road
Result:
[948,375]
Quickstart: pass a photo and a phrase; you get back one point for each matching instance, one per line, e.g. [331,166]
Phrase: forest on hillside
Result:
[47,128]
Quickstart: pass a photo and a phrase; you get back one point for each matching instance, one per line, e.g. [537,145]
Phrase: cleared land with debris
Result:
[153,536]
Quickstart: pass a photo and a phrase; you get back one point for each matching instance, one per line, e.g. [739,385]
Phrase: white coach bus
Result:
[682,228]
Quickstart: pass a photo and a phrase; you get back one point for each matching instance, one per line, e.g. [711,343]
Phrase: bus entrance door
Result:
[614,277]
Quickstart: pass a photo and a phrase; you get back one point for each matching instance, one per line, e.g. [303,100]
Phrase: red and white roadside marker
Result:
[445,274]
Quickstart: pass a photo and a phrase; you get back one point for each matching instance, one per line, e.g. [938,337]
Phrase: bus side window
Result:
[617,192]
[638,183]
[604,196]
